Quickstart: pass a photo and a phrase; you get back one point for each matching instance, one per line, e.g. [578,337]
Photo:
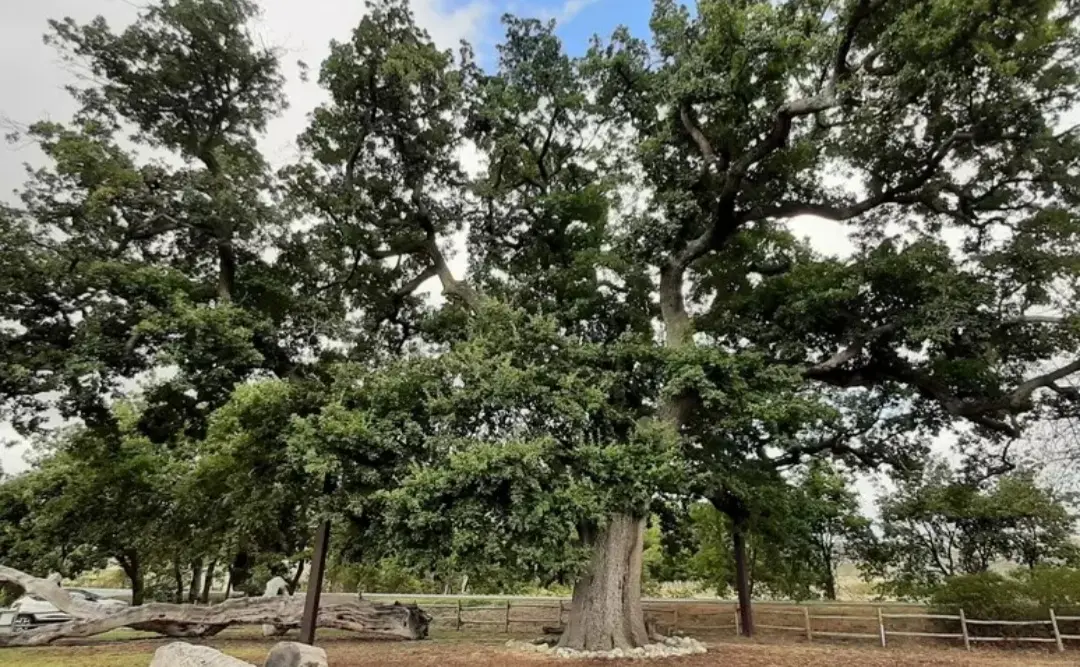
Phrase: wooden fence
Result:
[806,628]
[811,621]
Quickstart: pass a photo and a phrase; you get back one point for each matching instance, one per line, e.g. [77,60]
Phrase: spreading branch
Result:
[904,192]
[724,222]
[851,352]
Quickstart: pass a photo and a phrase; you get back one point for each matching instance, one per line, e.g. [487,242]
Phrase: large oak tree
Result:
[638,316]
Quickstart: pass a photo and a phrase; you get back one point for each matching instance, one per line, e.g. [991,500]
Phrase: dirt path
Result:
[478,651]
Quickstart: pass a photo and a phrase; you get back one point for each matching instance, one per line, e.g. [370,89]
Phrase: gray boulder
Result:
[293,654]
[179,654]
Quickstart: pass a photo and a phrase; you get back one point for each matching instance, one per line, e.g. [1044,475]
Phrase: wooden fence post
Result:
[964,630]
[558,620]
[675,618]
[738,630]
[881,626]
[457,625]
[806,617]
[1057,632]
[507,628]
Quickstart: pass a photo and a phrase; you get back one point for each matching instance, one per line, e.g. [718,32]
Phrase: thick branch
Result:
[50,591]
[1023,392]
[850,352]
[407,622]
[690,124]
[1035,319]
[724,221]
[414,284]
[901,193]
[451,286]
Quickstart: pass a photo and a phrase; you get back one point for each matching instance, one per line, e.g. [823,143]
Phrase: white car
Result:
[32,611]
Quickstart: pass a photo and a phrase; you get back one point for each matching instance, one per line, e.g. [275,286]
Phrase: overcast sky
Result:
[32,77]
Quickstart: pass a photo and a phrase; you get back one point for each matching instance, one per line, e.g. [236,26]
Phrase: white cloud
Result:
[562,14]
[304,29]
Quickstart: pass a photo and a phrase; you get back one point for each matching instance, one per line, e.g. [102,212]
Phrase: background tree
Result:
[937,525]
[797,532]
[830,506]
[101,498]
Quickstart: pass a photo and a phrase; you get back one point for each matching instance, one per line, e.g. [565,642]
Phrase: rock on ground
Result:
[179,654]
[671,647]
[293,654]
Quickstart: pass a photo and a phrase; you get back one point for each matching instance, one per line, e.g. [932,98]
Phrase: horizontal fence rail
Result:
[707,615]
[819,619]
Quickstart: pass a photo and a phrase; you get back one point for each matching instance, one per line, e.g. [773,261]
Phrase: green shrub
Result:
[1023,595]
[1056,588]
[986,595]
[385,576]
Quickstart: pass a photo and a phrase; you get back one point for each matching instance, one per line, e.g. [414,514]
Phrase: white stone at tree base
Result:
[294,654]
[179,654]
[671,647]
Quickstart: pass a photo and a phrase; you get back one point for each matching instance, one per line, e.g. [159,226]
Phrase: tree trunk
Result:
[240,570]
[742,578]
[208,582]
[606,610]
[392,620]
[178,577]
[138,589]
[129,563]
[196,579]
[830,576]
[295,582]
[830,586]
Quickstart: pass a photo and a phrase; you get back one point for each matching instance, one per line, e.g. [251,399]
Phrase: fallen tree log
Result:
[181,620]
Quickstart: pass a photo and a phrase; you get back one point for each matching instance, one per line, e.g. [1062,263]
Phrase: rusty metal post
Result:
[315,583]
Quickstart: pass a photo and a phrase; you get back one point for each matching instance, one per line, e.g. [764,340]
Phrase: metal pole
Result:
[315,583]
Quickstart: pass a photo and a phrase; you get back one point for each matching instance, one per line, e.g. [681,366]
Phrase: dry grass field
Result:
[471,649]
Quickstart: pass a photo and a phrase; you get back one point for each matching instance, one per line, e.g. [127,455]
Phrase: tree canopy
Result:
[641,318]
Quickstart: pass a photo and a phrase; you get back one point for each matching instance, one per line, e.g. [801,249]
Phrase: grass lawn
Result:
[451,649]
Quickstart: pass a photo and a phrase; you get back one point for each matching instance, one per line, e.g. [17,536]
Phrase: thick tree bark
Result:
[606,609]
[742,578]
[402,621]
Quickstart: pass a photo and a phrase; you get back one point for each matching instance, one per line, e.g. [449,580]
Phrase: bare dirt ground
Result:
[479,650]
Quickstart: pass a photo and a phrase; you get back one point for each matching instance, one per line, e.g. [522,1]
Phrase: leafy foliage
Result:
[936,526]
[640,321]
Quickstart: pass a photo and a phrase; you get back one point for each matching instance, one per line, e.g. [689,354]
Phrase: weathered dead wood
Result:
[180,620]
